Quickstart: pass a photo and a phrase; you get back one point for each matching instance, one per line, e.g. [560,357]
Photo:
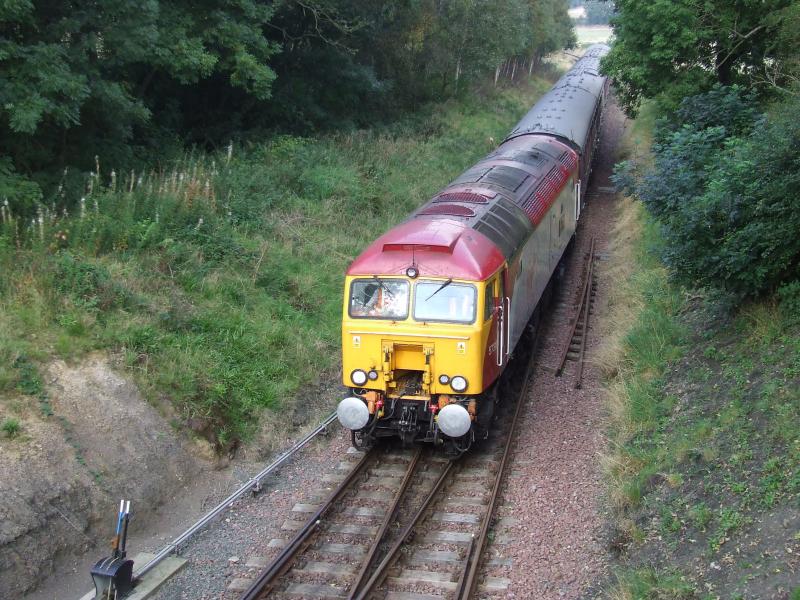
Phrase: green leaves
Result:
[675,48]
[722,186]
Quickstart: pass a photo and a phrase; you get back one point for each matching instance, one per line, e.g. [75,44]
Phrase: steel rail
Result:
[253,482]
[582,301]
[281,563]
[387,521]
[468,579]
[388,560]
[587,307]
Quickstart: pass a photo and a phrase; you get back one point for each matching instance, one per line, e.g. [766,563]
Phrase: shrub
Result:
[722,186]
[11,427]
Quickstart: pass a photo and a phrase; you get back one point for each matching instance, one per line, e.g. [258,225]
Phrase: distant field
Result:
[593,34]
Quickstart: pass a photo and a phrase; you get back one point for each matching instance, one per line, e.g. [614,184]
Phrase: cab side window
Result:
[488,308]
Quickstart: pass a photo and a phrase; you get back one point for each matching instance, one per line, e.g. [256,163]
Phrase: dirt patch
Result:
[62,474]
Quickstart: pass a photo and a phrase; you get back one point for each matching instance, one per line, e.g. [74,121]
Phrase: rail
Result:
[575,346]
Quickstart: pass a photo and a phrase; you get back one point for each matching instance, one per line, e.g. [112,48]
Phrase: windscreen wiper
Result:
[383,286]
[440,288]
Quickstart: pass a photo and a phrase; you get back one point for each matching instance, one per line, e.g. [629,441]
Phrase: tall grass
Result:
[217,279]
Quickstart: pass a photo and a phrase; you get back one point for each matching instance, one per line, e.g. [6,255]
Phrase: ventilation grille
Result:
[470,197]
[455,210]
[536,205]
[504,225]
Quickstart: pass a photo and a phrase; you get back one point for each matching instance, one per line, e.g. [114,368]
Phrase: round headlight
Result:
[444,379]
[458,383]
[358,377]
[412,272]
[353,413]
[454,420]
[373,375]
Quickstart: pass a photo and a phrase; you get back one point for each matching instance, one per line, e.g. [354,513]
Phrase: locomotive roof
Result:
[566,110]
[479,220]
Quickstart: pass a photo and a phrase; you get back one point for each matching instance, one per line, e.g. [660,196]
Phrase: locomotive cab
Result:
[414,354]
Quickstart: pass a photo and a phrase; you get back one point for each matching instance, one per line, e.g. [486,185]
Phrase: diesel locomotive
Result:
[434,308]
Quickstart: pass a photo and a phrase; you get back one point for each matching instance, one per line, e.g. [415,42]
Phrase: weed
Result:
[11,427]
[700,515]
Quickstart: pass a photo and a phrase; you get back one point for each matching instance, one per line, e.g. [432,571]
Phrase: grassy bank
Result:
[217,279]
[704,462]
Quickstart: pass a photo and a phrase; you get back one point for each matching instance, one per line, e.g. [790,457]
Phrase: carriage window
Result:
[379,299]
[488,308]
[444,301]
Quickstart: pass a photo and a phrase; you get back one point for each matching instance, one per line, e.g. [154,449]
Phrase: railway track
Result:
[575,347]
[401,524]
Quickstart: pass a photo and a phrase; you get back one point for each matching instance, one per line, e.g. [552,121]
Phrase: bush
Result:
[722,186]
[11,427]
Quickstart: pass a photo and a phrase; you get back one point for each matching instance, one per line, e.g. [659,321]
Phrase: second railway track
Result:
[401,524]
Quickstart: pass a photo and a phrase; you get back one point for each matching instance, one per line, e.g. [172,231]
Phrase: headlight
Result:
[454,420]
[373,375]
[458,383]
[358,377]
[353,413]
[444,379]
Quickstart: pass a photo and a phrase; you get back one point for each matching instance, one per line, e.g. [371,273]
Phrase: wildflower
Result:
[83,208]
[41,223]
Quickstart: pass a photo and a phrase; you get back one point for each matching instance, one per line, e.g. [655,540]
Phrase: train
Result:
[434,308]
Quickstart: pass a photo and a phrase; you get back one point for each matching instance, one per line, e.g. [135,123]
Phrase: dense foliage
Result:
[130,81]
[669,49]
[723,183]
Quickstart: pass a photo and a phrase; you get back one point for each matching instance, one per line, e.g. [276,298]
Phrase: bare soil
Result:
[62,477]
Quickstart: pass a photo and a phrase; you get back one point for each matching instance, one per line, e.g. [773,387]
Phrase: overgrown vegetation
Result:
[721,184]
[218,277]
[669,49]
[704,460]
[704,360]
[137,82]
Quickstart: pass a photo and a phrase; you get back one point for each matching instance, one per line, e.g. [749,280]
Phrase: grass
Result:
[11,427]
[703,467]
[217,279]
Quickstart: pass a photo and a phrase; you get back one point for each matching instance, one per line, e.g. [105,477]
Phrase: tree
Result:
[78,78]
[676,48]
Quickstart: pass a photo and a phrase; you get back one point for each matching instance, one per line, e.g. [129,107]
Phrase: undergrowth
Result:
[218,278]
[703,466]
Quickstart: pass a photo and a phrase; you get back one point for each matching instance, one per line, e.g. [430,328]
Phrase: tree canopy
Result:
[125,79]
[676,48]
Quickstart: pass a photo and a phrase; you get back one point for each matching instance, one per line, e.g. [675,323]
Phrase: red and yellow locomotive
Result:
[434,307]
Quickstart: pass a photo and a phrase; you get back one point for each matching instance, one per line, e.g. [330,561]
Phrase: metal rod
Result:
[587,301]
[225,504]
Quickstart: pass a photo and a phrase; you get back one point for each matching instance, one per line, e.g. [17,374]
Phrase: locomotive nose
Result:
[352,413]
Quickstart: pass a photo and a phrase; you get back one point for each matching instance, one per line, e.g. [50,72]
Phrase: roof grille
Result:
[455,210]
[536,204]
[472,197]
